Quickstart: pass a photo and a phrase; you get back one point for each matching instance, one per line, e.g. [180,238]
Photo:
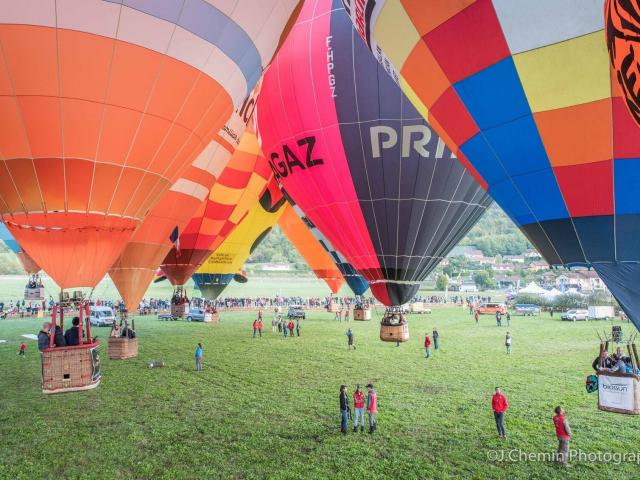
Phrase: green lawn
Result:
[268,408]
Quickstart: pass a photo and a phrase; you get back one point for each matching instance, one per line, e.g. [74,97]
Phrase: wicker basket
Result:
[362,314]
[179,311]
[394,333]
[212,317]
[332,307]
[122,347]
[69,369]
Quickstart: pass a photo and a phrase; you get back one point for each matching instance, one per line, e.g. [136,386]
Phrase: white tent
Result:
[534,289]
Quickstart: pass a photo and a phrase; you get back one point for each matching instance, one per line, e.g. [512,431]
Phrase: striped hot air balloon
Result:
[236,191]
[221,266]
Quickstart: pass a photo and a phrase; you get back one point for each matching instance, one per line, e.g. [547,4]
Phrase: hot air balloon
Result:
[136,267]
[316,257]
[102,106]
[359,160]
[237,191]
[523,92]
[355,281]
[218,270]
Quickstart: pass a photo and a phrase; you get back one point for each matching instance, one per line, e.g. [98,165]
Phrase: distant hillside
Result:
[495,234]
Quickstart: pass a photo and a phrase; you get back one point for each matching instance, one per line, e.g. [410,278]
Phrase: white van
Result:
[101,316]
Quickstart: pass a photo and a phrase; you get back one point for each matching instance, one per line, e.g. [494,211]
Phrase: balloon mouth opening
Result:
[61,222]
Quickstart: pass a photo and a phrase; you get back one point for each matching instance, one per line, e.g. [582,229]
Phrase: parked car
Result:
[601,312]
[195,315]
[491,308]
[101,316]
[575,314]
[296,311]
[527,309]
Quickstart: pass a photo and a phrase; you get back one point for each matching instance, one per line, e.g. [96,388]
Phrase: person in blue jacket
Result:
[198,356]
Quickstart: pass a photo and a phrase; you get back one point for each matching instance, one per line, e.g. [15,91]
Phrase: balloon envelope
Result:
[359,160]
[236,191]
[524,92]
[136,267]
[218,270]
[102,106]
[316,257]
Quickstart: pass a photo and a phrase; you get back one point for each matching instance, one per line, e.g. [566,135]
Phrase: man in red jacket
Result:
[499,405]
[427,344]
[563,432]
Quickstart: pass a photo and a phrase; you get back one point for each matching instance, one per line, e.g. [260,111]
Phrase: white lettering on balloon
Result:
[330,65]
[414,137]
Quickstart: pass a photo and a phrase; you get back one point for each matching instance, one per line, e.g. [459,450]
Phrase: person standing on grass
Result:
[344,409]
[372,407]
[298,327]
[508,319]
[285,330]
[563,433]
[291,326]
[436,338]
[427,345]
[499,405]
[255,328]
[358,408]
[346,314]
[507,342]
[476,315]
[337,315]
[498,319]
[198,356]
[260,325]
[350,340]
[23,347]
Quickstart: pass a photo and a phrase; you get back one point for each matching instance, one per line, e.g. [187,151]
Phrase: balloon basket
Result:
[179,311]
[619,393]
[36,293]
[362,314]
[70,369]
[394,333]
[121,348]
[212,317]
[418,307]
[332,307]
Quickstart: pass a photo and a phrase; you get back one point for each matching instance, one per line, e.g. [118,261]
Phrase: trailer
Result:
[601,312]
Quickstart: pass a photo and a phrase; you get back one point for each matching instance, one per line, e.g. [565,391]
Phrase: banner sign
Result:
[616,392]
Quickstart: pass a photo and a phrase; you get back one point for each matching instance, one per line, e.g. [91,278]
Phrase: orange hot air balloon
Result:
[232,196]
[136,267]
[103,105]
[315,255]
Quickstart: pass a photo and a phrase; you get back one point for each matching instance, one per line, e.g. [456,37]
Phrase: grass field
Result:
[268,408]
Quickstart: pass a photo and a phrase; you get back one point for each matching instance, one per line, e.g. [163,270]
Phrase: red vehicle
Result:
[491,308]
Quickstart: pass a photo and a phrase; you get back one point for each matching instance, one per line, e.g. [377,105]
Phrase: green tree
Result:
[442,282]
[483,280]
